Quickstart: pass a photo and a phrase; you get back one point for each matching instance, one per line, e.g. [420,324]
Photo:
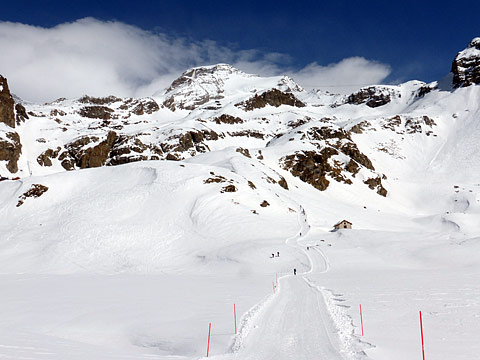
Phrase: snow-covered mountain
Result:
[213,174]
[361,138]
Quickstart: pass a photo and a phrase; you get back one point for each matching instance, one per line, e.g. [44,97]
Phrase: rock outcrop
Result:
[372,96]
[273,97]
[7,104]
[80,156]
[35,191]
[20,113]
[337,157]
[10,150]
[96,112]
[466,65]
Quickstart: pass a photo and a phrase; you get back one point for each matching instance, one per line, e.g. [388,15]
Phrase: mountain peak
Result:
[475,43]
[204,74]
[466,65]
[198,85]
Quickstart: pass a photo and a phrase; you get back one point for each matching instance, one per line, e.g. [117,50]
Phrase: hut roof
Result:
[342,222]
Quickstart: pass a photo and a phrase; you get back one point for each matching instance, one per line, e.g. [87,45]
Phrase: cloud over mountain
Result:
[105,57]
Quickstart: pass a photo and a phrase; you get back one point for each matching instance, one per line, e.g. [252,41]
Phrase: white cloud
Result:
[101,58]
[343,77]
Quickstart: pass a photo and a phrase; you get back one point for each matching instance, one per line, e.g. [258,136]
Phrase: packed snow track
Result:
[295,324]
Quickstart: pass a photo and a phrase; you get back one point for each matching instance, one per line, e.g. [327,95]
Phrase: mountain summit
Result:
[466,66]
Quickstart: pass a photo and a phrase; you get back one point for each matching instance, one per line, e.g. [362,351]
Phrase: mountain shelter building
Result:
[344,224]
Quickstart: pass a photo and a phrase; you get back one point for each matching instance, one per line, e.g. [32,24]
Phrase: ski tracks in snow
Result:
[295,323]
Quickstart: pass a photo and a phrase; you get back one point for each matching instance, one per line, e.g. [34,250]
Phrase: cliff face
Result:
[10,146]
[466,66]
[7,104]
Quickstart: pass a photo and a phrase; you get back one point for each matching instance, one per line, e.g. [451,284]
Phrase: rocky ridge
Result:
[466,65]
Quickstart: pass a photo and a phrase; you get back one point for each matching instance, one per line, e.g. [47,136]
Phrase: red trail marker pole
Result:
[208,345]
[235,316]
[421,332]
[273,285]
[361,317]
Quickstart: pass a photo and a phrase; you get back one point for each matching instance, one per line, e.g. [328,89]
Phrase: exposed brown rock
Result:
[272,97]
[248,133]
[299,122]
[264,203]
[21,113]
[227,119]
[146,107]
[466,65]
[228,188]
[428,121]
[94,156]
[425,89]
[392,123]
[283,183]
[56,112]
[352,167]
[35,191]
[170,103]
[97,156]
[326,132]
[44,159]
[252,185]
[350,149]
[172,157]
[360,127]
[215,179]
[376,184]
[244,152]
[127,149]
[10,151]
[371,96]
[310,166]
[96,112]
[98,101]
[189,140]
[68,164]
[7,114]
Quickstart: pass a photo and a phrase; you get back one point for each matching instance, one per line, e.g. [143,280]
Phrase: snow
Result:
[134,261]
[471,51]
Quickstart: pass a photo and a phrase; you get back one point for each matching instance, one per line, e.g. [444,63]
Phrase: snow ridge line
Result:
[352,345]
[246,323]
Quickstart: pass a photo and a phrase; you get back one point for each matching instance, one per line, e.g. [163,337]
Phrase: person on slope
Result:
[294,271]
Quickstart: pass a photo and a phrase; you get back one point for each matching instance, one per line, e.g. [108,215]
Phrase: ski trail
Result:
[294,323]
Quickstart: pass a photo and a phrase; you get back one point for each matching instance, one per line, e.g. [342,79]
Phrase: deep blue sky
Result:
[419,39]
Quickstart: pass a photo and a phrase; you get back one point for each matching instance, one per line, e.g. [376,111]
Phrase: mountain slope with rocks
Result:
[129,224]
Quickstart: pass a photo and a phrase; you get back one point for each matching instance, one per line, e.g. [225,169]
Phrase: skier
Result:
[308,248]
[278,253]
[273,255]
[294,271]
